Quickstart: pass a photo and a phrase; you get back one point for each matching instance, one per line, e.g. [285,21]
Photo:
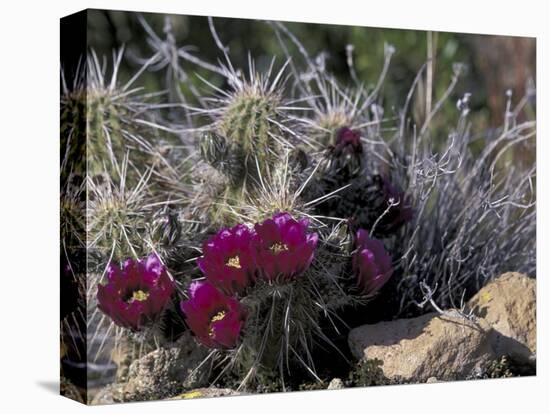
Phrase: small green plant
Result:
[506,367]
[368,373]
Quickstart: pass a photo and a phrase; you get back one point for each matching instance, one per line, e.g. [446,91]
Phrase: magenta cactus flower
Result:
[215,319]
[346,155]
[136,293]
[348,141]
[371,263]
[228,260]
[284,247]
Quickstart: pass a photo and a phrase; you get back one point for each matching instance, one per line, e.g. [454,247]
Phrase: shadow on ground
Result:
[50,386]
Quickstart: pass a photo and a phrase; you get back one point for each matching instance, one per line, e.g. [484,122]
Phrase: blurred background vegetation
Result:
[494,64]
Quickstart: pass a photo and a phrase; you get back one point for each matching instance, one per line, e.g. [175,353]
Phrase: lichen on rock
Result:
[508,304]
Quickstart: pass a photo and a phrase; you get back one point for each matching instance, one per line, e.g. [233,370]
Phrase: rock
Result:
[508,304]
[206,393]
[413,350]
[109,395]
[165,371]
[127,350]
[431,380]
[116,393]
[336,384]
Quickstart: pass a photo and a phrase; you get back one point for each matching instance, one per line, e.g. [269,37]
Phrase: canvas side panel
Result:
[73,206]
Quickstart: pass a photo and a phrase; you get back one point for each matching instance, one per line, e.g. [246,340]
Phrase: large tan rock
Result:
[446,347]
[508,304]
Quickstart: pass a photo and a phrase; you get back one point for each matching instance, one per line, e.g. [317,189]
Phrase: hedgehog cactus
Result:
[371,202]
[117,221]
[217,151]
[328,124]
[102,122]
[73,133]
[244,144]
[112,132]
[345,157]
[117,161]
[249,123]
[248,133]
[303,207]
[116,125]
[104,132]
[73,251]
[73,212]
[277,273]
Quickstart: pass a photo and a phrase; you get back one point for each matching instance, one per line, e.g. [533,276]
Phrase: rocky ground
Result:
[493,336]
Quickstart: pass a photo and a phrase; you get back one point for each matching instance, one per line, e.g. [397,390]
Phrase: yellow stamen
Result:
[139,295]
[234,262]
[217,317]
[278,248]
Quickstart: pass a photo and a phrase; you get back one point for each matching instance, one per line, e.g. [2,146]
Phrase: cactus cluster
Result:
[287,278]
[275,204]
